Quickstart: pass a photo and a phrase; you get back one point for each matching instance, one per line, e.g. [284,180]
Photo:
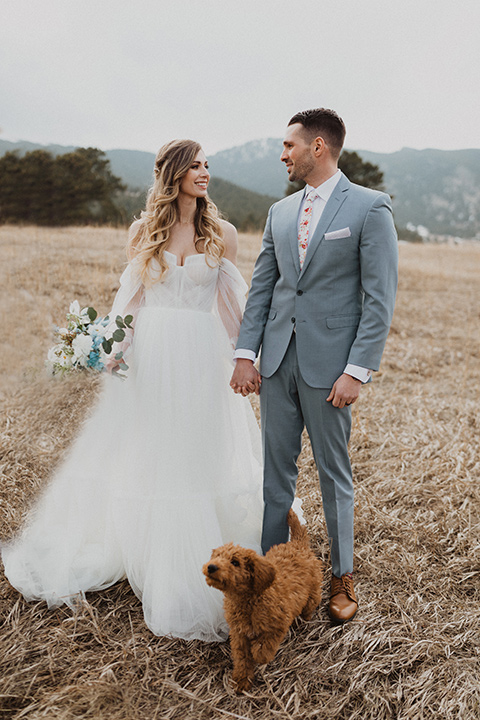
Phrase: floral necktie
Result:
[305,225]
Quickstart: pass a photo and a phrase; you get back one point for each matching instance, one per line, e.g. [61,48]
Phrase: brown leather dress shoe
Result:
[343,603]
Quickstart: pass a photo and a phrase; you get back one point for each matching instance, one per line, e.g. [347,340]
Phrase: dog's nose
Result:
[211,569]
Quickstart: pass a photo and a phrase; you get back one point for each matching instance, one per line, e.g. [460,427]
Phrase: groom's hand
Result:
[245,378]
[345,391]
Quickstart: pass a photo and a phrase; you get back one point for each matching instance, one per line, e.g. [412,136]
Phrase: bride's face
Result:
[195,182]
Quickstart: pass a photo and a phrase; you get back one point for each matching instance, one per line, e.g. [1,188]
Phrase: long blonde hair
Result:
[161,213]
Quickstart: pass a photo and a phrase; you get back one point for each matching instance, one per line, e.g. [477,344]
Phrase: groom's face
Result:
[297,154]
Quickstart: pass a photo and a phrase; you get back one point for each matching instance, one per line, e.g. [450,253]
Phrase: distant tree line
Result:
[70,189]
[79,188]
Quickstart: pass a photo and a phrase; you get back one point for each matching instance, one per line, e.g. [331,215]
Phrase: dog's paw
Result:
[241,684]
[309,609]
[307,613]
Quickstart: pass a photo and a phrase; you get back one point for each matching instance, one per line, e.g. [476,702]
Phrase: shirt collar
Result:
[325,189]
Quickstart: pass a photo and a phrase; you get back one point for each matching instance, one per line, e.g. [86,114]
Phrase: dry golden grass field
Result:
[413,650]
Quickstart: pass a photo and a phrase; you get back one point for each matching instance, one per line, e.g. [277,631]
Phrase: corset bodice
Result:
[190,286]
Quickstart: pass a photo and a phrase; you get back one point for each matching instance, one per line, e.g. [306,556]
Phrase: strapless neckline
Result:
[188,257]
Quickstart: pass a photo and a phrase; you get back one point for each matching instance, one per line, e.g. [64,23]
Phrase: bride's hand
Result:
[245,378]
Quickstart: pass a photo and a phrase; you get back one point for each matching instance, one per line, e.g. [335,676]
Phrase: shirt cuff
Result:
[243,354]
[359,373]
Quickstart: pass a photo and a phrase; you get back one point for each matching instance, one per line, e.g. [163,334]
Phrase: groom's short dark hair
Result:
[324,123]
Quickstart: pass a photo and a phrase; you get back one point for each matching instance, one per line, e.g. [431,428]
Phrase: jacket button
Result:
[299,292]
[293,320]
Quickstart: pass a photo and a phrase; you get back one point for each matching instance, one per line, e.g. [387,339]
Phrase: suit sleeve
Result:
[265,276]
[378,277]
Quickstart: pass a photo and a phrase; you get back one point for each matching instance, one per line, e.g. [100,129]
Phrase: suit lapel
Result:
[335,202]
[292,209]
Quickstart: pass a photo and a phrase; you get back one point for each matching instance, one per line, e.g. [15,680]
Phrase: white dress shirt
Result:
[323,195]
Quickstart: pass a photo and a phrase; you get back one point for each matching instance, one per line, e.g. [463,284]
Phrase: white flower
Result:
[54,353]
[75,308]
[81,345]
[65,361]
[95,330]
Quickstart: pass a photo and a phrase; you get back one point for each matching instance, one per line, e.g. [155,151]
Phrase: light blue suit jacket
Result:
[341,302]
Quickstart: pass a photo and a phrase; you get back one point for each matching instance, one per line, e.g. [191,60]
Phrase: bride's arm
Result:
[231,287]
[129,299]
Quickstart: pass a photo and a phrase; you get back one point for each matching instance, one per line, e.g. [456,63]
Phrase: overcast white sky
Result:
[118,74]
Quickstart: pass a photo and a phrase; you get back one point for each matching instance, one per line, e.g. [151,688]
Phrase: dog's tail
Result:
[298,532]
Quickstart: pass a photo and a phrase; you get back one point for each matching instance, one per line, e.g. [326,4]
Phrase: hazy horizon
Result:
[232,147]
[121,76]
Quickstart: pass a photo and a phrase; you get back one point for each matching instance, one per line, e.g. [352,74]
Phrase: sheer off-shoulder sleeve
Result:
[129,299]
[230,298]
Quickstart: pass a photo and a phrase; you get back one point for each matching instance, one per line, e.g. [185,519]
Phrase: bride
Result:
[168,466]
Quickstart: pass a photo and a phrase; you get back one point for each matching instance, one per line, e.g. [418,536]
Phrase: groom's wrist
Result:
[244,354]
[358,372]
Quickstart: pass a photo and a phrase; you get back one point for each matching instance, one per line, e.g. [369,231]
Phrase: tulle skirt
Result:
[167,467]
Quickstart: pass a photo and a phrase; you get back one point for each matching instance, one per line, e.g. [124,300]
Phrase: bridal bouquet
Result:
[82,344]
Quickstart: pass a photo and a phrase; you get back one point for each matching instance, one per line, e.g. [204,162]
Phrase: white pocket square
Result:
[337,234]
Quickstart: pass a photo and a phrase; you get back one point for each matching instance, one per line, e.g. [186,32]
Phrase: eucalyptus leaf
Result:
[127,320]
[118,335]
[92,313]
[107,346]
[119,322]
[123,366]
[119,355]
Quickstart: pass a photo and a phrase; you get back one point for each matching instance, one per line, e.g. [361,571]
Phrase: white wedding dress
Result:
[167,467]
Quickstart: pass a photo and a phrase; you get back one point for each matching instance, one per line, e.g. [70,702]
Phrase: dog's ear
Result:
[263,574]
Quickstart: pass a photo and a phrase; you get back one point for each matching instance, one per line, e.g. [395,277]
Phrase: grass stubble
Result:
[413,650]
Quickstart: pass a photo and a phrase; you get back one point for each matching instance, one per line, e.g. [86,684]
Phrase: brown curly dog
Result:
[263,595]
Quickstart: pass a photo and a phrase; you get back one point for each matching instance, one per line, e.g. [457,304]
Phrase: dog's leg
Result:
[312,603]
[243,662]
[265,646]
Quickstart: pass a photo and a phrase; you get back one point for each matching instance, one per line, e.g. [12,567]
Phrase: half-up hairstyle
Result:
[172,163]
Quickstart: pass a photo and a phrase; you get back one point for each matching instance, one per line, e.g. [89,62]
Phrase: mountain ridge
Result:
[436,189]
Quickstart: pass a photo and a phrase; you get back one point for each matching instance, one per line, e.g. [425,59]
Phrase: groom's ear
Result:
[319,146]
[263,574]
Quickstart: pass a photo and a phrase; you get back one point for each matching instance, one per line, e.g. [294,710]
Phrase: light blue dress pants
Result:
[288,405]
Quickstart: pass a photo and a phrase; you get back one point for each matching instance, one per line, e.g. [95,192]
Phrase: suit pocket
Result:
[341,321]
[338,234]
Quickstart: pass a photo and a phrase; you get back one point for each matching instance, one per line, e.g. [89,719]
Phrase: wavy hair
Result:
[172,163]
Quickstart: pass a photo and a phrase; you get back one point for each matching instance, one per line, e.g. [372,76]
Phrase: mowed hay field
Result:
[413,650]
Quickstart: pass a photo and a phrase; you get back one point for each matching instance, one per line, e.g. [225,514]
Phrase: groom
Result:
[320,307]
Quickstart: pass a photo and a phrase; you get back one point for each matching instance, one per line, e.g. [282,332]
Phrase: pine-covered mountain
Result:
[134,167]
[246,209]
[437,189]
[255,165]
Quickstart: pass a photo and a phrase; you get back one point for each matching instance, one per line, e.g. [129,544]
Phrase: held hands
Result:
[246,378]
[345,391]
